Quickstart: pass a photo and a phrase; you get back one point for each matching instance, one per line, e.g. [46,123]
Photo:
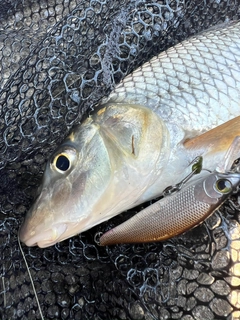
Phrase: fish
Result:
[190,203]
[143,137]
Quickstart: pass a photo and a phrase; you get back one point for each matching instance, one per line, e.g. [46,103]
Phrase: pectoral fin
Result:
[216,140]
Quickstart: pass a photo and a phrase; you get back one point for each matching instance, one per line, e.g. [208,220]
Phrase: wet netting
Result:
[58,58]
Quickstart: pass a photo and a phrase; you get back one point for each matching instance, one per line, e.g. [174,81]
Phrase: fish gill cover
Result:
[57,59]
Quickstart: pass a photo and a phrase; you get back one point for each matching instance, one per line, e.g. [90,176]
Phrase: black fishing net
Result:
[57,59]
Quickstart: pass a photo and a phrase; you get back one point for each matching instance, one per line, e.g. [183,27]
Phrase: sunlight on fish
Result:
[182,104]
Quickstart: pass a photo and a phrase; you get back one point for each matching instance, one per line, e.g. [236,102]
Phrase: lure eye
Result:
[223,185]
[62,162]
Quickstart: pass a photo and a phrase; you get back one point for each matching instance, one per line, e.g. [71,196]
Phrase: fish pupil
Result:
[62,163]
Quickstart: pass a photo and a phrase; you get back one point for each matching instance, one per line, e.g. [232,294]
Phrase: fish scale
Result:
[194,78]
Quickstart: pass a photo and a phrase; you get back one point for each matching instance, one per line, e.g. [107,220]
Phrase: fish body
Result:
[139,141]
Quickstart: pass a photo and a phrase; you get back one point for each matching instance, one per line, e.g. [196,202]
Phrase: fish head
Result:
[100,170]
[70,175]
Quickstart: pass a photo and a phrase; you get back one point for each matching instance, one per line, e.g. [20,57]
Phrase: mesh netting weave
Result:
[57,60]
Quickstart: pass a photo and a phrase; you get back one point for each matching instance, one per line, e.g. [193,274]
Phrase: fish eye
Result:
[223,185]
[62,162]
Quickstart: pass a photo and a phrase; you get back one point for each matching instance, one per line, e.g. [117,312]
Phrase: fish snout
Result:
[44,238]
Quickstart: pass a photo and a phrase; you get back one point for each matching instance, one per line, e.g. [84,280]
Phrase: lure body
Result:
[143,138]
[176,213]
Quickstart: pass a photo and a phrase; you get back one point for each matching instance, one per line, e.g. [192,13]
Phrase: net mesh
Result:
[57,60]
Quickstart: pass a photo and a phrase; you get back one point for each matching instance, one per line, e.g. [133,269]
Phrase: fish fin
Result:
[217,139]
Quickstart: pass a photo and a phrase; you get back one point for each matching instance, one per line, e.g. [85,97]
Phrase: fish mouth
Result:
[43,239]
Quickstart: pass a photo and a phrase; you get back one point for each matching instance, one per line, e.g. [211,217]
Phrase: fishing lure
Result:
[184,209]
